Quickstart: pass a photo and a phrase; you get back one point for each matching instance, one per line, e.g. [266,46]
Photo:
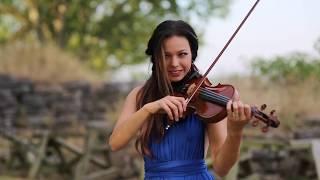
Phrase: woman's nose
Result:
[174,61]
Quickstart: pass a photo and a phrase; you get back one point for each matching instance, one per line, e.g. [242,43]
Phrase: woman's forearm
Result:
[124,132]
[228,154]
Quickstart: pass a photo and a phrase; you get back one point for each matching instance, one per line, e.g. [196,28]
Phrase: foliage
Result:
[294,68]
[107,33]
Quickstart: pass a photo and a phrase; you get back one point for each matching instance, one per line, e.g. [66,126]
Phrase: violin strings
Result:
[214,100]
[215,94]
[209,94]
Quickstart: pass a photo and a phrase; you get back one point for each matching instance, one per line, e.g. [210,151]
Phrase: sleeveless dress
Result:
[179,155]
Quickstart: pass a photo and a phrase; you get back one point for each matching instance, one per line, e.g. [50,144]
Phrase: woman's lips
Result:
[175,73]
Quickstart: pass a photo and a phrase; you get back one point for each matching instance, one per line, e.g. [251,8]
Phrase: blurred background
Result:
[66,67]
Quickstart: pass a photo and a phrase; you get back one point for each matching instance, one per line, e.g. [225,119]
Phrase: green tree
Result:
[290,69]
[104,33]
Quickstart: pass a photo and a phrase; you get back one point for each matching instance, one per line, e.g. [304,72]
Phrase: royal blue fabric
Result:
[179,154]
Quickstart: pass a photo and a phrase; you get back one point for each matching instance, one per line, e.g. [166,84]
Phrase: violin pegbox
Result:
[268,120]
[273,116]
[266,127]
[255,121]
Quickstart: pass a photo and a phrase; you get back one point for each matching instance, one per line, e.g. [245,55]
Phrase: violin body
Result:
[209,102]
[210,109]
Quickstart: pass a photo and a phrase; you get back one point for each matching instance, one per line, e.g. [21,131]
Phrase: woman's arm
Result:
[130,120]
[225,136]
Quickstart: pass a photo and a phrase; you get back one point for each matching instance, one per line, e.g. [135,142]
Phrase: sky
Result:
[276,27]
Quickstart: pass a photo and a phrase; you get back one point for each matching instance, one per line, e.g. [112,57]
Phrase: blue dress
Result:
[179,155]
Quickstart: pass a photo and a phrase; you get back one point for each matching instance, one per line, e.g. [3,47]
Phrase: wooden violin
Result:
[210,102]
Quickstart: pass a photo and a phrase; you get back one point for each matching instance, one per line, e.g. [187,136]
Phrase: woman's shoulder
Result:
[134,92]
[131,98]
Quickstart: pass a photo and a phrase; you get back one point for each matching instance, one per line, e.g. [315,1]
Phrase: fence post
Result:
[39,156]
[316,155]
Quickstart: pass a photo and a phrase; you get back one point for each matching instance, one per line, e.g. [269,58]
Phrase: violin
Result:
[210,101]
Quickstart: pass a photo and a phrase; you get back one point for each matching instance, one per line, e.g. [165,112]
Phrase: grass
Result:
[44,63]
[9,178]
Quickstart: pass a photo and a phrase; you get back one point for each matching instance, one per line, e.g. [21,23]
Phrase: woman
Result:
[177,151]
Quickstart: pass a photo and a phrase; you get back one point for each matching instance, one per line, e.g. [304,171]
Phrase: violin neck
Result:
[222,100]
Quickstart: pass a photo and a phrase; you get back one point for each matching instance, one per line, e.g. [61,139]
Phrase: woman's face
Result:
[178,57]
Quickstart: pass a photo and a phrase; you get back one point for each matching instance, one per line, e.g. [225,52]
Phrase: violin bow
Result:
[221,52]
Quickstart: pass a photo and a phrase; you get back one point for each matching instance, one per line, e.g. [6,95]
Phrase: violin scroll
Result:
[270,120]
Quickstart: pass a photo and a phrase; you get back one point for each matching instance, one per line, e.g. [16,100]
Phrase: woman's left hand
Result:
[239,114]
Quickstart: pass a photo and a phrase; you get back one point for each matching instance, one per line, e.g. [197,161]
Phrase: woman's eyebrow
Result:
[180,51]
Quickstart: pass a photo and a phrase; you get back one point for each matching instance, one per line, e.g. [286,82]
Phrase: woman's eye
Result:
[183,54]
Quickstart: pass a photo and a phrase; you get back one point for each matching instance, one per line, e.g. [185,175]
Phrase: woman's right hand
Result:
[173,106]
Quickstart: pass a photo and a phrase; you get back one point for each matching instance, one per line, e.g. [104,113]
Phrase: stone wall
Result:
[35,104]
[28,105]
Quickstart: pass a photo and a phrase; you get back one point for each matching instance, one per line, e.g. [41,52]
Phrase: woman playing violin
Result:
[177,151]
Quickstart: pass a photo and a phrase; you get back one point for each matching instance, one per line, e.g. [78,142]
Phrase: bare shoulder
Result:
[134,92]
[129,106]
[132,97]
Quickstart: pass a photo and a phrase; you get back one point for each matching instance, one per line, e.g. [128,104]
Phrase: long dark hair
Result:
[159,85]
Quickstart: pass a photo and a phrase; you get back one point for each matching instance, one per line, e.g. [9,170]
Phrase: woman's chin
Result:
[175,79]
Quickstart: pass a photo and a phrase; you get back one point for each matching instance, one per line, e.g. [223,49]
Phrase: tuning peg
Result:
[263,107]
[265,129]
[273,112]
[255,123]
